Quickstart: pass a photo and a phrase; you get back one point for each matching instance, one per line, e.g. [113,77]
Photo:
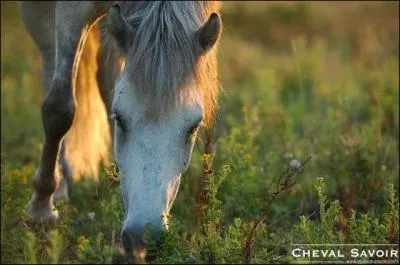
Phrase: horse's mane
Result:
[166,56]
[163,60]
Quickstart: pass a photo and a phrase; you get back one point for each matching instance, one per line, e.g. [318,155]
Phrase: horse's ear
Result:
[119,28]
[210,32]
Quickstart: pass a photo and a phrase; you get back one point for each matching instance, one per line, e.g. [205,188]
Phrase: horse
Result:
[138,77]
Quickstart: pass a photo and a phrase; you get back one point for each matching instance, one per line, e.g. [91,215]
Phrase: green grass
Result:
[299,81]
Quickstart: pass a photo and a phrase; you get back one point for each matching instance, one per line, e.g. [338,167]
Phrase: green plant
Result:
[30,247]
[55,246]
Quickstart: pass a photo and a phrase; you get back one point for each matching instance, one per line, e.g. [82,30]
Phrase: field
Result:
[305,147]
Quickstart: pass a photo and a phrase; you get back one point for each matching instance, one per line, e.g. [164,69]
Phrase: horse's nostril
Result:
[137,235]
[132,241]
[136,238]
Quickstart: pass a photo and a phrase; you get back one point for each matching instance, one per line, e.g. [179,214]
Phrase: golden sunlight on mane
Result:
[206,72]
[89,139]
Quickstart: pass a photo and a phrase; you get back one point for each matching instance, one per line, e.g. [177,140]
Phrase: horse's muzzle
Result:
[134,242]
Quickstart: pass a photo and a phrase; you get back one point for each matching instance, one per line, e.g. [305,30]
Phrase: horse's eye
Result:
[120,123]
[195,128]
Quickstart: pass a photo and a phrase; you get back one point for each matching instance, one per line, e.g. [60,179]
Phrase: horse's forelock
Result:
[165,61]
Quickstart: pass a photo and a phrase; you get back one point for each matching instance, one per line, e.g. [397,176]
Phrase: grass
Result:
[300,80]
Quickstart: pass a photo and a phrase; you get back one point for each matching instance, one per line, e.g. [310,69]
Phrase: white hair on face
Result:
[165,59]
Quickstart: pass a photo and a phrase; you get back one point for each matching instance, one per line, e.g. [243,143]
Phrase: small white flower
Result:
[295,164]
[91,215]
[288,155]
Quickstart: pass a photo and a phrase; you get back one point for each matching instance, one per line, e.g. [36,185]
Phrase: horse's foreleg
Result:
[64,169]
[72,22]
[39,18]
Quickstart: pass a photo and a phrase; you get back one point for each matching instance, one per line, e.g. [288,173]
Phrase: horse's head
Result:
[166,91]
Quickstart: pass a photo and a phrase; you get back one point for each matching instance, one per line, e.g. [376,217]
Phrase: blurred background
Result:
[299,78]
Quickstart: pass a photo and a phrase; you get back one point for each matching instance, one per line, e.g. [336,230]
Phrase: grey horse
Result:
[144,72]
